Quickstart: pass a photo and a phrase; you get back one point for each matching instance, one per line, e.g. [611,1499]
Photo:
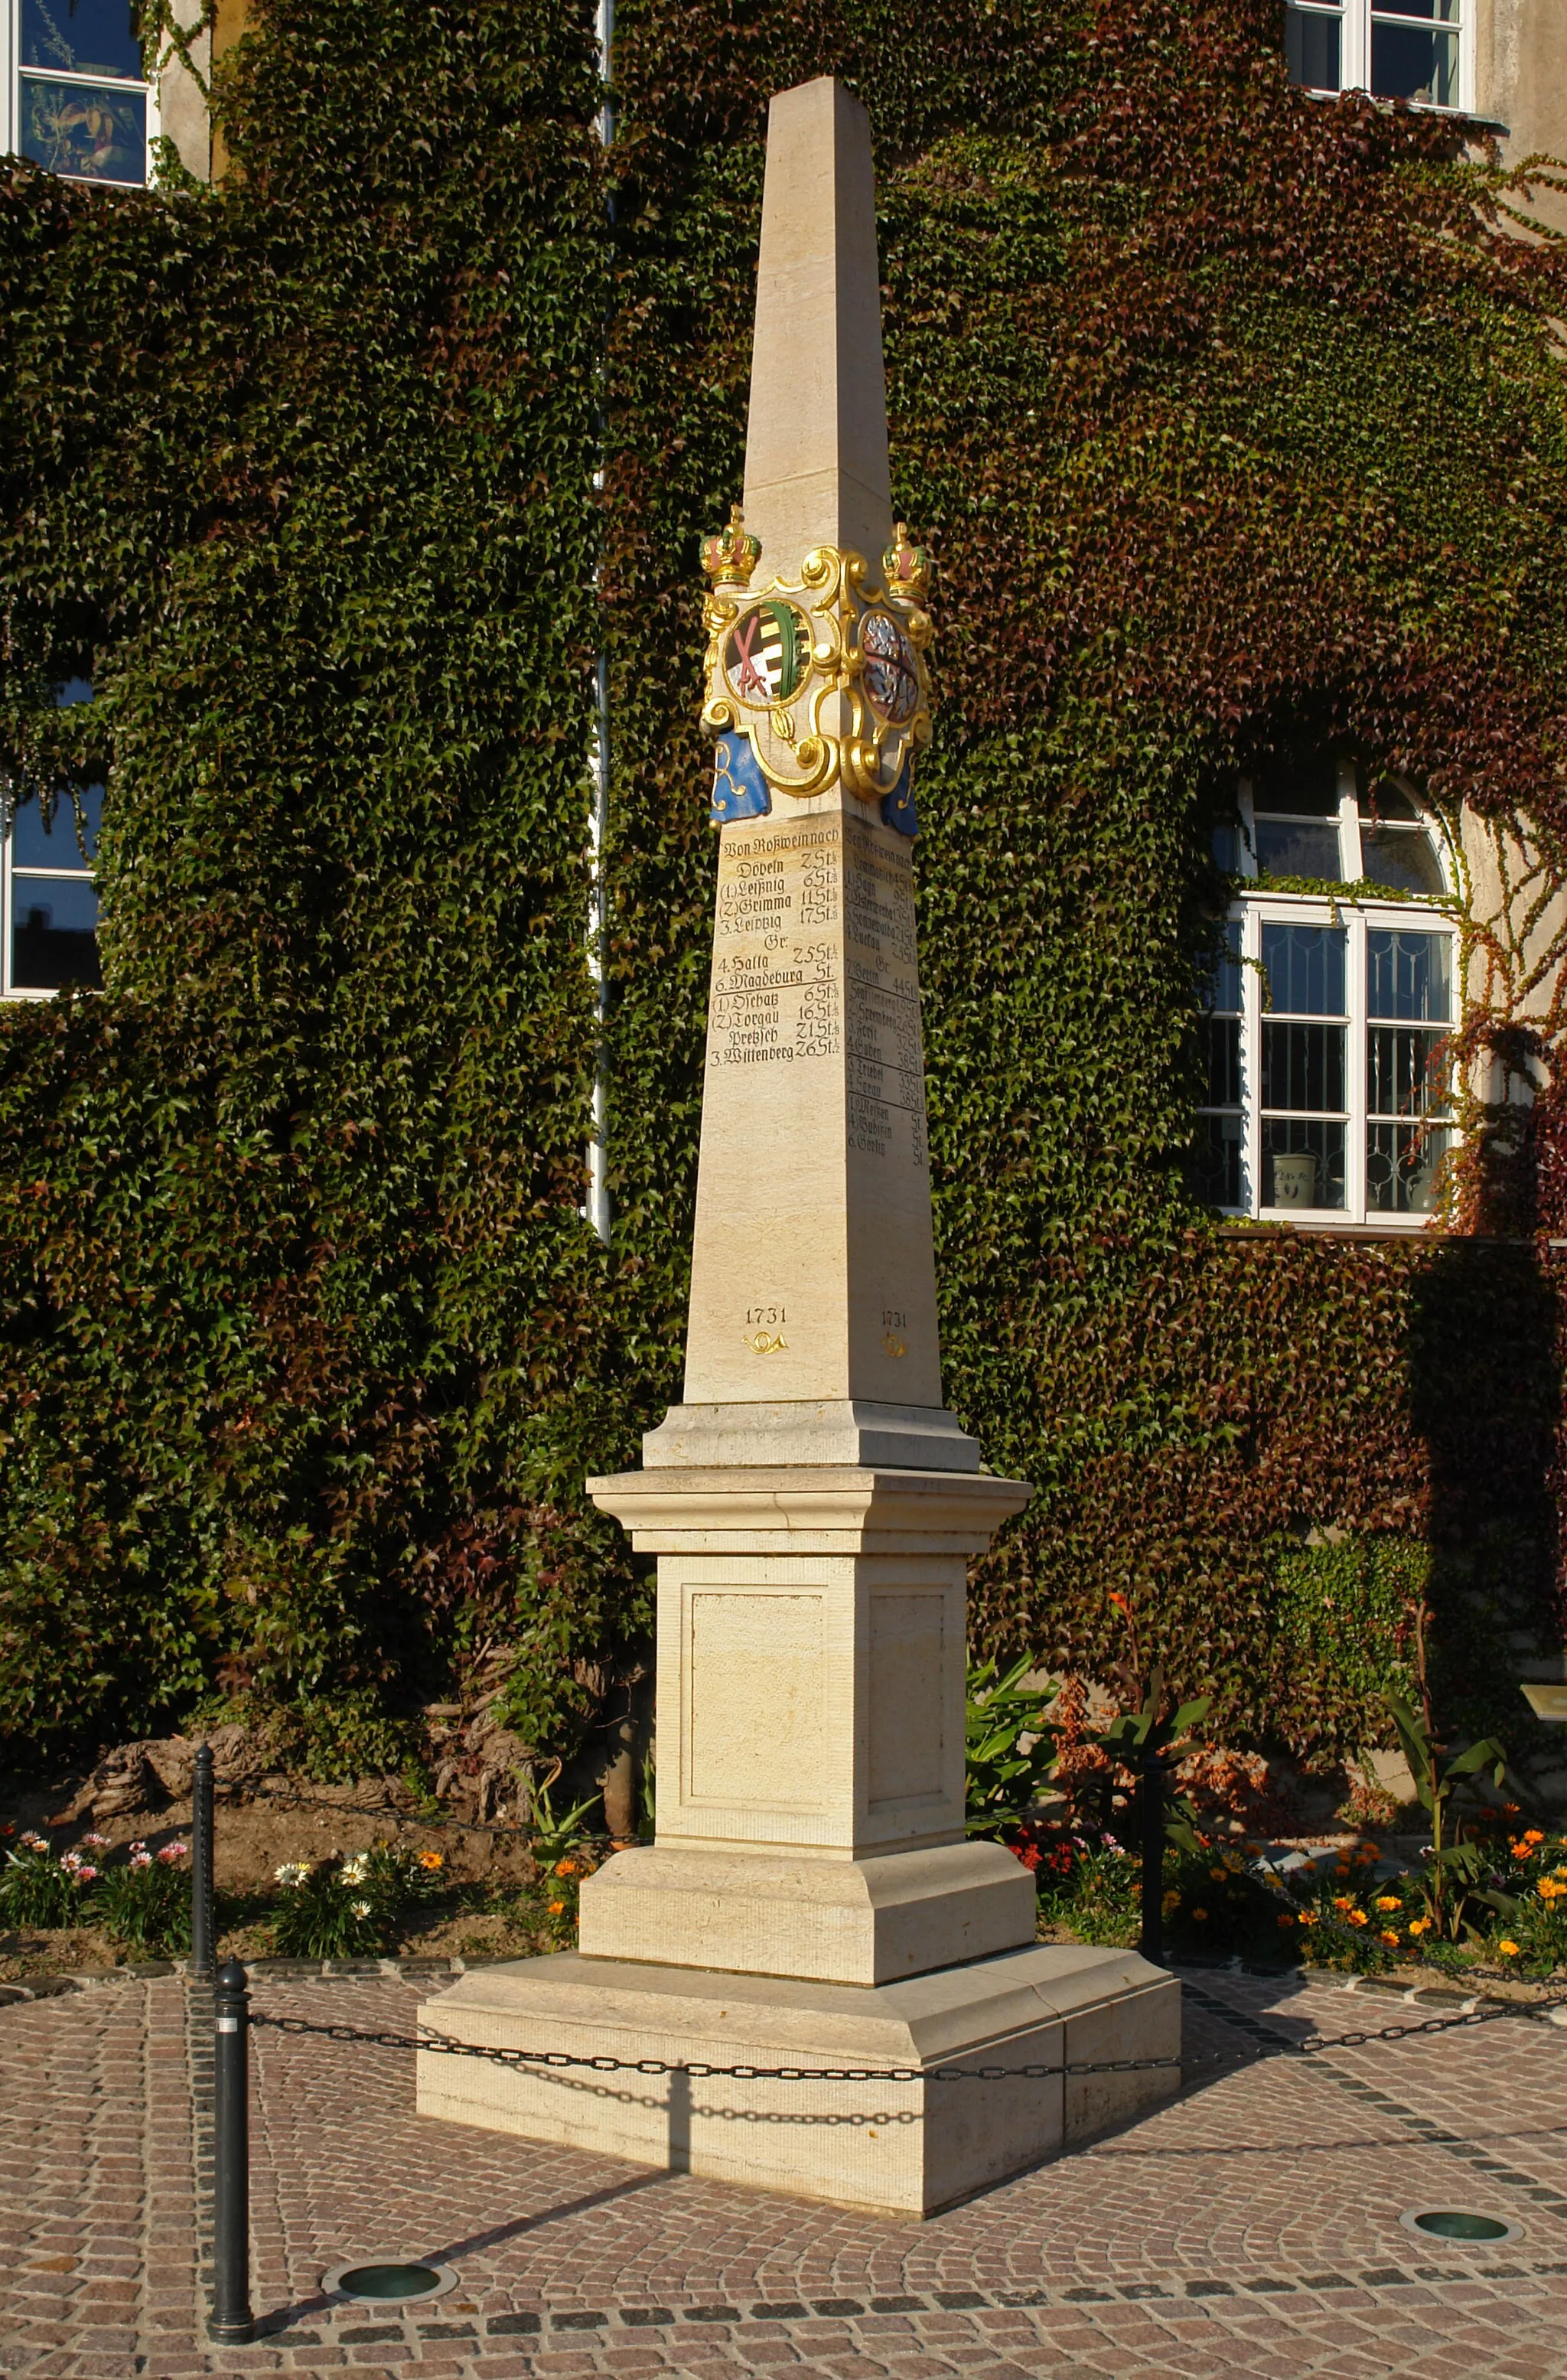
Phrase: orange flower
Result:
[557,1907]
[1356,1917]
[1343,1901]
[565,1867]
[1286,1919]
[1508,1949]
[1199,1914]
[1388,1901]
[1419,1925]
[1390,1937]
[432,1860]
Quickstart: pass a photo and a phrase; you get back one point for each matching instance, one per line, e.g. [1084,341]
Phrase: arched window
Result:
[76,89]
[1328,1096]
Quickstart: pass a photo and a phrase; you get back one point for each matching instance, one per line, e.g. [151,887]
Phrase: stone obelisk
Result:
[810,1898]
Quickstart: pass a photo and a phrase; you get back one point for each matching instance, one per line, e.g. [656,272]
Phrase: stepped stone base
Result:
[902,2149]
[864,1920]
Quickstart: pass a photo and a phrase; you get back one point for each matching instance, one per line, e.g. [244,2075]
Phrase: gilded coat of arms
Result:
[818,681]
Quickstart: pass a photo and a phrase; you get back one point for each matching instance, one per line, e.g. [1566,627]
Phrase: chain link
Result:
[600,2063]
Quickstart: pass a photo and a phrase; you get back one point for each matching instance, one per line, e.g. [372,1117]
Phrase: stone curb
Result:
[88,1979]
[418,1970]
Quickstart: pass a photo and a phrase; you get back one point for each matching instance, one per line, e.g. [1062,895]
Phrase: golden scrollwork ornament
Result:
[818,681]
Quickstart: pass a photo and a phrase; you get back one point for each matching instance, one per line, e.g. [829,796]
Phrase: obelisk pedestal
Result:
[810,1900]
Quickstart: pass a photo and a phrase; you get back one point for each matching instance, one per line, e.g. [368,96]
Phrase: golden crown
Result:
[907,567]
[731,556]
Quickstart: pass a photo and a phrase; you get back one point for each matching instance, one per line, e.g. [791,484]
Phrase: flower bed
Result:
[1357,1910]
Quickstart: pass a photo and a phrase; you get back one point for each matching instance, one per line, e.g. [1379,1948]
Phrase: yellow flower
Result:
[1508,1949]
[433,1859]
[1390,1937]
[1217,1874]
[1387,1900]
[1234,1862]
[1356,1917]
[1418,1925]
[1171,1902]
[1343,1901]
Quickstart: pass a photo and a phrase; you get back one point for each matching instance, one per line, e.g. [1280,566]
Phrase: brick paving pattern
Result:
[1250,2227]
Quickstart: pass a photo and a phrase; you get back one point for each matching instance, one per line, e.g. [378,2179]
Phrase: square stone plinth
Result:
[868,1920]
[903,2148]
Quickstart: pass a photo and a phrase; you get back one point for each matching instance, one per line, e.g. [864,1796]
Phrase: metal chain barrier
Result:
[232,2322]
[600,2063]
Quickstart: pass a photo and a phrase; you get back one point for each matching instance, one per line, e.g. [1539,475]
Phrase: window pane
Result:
[1302,785]
[90,37]
[1298,847]
[93,135]
[1214,1168]
[1402,858]
[1402,1165]
[1225,845]
[55,932]
[1220,986]
[1386,800]
[1435,12]
[1220,1048]
[1409,977]
[1404,1075]
[1304,969]
[1407,63]
[1311,48]
[1303,1164]
[73,689]
[39,843]
[1302,1066]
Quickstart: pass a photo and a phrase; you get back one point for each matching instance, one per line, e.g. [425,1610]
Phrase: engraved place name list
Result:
[814,966]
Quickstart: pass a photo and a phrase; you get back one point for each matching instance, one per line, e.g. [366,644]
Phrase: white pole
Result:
[597,1208]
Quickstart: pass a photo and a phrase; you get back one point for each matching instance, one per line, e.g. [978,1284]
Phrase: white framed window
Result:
[74,97]
[50,935]
[1328,1092]
[1418,50]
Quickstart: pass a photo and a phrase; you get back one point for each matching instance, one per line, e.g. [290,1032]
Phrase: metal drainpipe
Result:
[597,1209]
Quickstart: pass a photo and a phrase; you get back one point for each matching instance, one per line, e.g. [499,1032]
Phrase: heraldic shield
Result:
[818,681]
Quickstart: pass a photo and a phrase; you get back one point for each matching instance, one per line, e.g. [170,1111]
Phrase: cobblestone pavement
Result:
[1250,2227]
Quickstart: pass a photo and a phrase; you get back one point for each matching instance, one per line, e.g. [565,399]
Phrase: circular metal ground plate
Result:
[390,2280]
[1459,2226]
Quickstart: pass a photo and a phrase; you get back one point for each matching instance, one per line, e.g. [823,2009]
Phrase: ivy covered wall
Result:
[1234,419]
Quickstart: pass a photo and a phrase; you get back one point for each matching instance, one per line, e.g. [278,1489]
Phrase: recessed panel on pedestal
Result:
[754,1699]
[907,1692]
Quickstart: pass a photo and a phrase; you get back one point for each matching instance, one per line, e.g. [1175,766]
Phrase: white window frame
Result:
[1354,18]
[11,877]
[11,104]
[1358,916]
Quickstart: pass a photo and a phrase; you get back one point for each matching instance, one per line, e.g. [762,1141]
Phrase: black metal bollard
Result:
[231,2321]
[203,1944]
[1152,1942]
